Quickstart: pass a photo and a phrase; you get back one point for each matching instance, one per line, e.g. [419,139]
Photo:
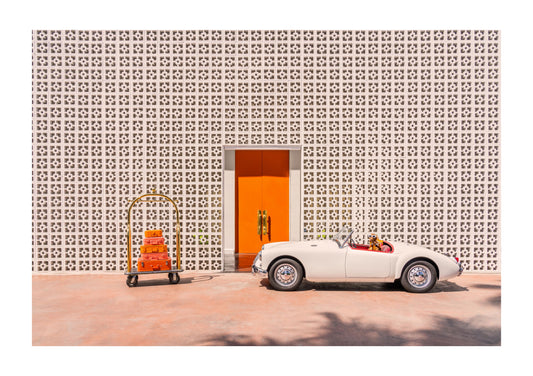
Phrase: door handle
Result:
[264,222]
[269,221]
[259,222]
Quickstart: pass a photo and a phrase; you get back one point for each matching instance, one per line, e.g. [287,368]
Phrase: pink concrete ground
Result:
[237,309]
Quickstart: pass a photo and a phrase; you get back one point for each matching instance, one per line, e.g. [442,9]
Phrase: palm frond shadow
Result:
[445,331]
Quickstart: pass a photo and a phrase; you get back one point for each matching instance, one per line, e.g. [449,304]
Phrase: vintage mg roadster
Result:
[340,259]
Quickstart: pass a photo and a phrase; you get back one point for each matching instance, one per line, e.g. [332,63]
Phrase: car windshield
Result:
[342,236]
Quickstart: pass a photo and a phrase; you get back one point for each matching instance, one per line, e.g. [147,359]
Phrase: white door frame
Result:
[228,196]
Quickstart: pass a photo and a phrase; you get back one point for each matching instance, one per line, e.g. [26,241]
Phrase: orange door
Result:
[261,201]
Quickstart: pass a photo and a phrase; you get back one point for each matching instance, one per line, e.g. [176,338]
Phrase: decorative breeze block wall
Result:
[400,135]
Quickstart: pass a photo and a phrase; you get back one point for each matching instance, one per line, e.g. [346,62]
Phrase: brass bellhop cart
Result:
[132,273]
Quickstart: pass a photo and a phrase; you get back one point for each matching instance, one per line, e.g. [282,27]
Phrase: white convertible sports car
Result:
[341,260]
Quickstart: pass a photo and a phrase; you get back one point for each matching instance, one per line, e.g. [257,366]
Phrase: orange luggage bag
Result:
[154,256]
[153,233]
[154,248]
[154,241]
[153,265]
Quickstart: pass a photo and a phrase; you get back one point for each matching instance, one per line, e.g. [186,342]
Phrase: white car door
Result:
[366,264]
[323,260]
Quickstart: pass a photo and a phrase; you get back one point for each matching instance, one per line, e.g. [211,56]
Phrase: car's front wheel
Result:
[419,276]
[285,275]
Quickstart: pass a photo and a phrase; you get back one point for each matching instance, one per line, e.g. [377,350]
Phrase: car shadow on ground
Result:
[163,280]
[440,286]
[444,331]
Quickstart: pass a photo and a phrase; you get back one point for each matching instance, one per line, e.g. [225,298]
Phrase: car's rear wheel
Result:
[285,275]
[419,276]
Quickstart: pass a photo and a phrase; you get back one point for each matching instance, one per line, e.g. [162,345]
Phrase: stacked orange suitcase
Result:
[154,253]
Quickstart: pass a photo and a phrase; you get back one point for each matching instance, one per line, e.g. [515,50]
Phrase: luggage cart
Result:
[132,273]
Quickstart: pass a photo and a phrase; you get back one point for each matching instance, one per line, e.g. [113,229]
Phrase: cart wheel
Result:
[132,280]
[174,278]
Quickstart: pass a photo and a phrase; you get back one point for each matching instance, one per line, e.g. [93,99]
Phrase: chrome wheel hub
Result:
[419,276]
[286,274]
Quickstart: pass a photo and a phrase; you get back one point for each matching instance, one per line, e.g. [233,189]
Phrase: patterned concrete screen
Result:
[399,134]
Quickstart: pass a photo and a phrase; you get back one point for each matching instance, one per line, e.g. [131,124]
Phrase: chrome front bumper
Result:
[460,270]
[256,270]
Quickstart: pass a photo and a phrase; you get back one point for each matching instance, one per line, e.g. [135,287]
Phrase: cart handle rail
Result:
[140,199]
